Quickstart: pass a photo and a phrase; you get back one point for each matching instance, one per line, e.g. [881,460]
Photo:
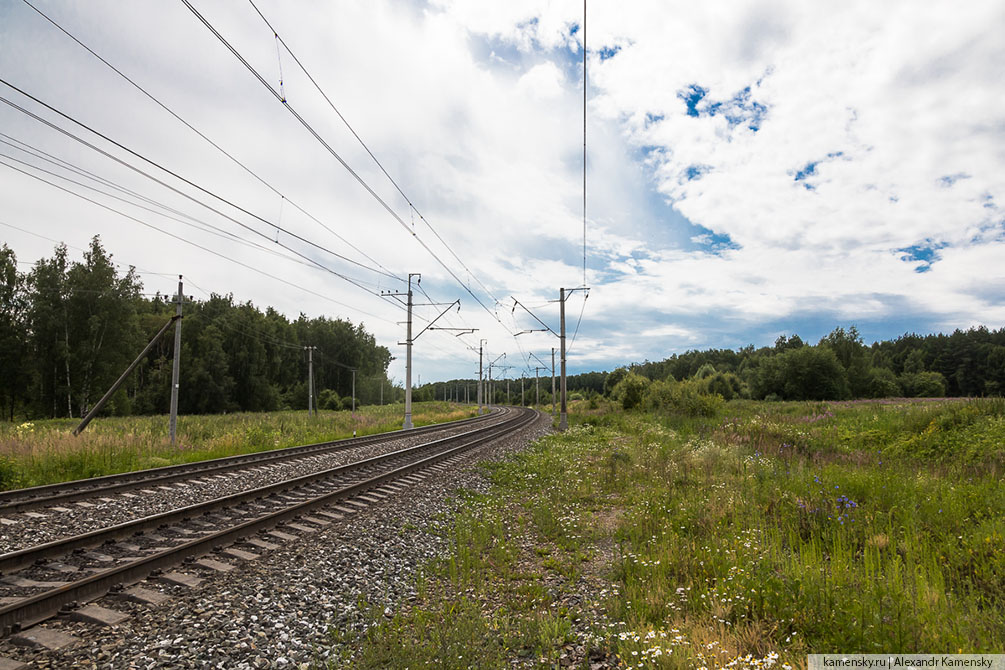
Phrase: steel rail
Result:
[19,500]
[21,558]
[36,608]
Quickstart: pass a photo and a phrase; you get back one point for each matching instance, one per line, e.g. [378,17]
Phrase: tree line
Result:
[839,367]
[69,328]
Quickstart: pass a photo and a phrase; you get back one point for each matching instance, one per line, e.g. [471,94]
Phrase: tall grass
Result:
[43,452]
[745,540]
[806,527]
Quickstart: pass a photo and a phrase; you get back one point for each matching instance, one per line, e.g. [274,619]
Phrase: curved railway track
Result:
[48,495]
[41,580]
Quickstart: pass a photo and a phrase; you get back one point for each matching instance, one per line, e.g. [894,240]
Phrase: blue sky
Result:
[755,169]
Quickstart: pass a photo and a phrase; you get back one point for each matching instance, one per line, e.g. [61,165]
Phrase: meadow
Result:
[43,452]
[743,540]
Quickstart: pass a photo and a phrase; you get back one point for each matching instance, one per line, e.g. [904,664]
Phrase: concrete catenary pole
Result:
[537,387]
[408,361]
[563,422]
[553,405]
[176,367]
[481,348]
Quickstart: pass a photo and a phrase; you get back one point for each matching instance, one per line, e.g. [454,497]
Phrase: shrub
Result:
[631,390]
[613,379]
[687,398]
[883,383]
[726,384]
[705,371]
[328,399]
[923,384]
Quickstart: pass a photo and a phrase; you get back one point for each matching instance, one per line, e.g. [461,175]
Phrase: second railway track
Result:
[139,496]
[38,581]
[48,495]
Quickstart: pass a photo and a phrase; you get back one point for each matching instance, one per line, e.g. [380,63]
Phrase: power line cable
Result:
[408,200]
[179,177]
[198,246]
[135,268]
[584,148]
[332,151]
[207,139]
[193,222]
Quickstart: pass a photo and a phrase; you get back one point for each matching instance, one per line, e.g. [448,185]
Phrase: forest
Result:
[840,366]
[68,328]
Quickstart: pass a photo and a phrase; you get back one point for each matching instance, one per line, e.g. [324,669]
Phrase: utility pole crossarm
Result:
[462,331]
[430,324]
[546,327]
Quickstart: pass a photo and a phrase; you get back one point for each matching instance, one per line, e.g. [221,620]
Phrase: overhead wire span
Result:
[135,268]
[258,334]
[209,26]
[175,175]
[193,222]
[195,244]
[352,130]
[210,141]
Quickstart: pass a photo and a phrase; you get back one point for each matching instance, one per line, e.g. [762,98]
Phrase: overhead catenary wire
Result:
[198,246]
[135,268]
[186,219]
[173,174]
[192,222]
[411,204]
[409,201]
[454,274]
[202,135]
[584,149]
[334,153]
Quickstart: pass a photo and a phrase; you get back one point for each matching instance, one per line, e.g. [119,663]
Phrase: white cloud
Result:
[888,112]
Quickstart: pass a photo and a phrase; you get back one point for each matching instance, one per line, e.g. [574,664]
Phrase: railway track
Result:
[40,581]
[49,495]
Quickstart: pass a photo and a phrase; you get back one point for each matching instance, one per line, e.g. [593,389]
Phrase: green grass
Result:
[771,531]
[44,452]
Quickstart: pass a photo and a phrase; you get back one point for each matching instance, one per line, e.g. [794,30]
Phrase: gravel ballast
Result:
[22,530]
[275,611]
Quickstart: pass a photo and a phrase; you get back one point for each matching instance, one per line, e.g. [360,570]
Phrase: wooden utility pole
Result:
[176,367]
[311,409]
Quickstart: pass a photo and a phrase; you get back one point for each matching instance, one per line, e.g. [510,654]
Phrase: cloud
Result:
[749,169]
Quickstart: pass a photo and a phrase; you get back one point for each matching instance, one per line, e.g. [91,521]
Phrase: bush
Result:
[328,399]
[808,373]
[705,371]
[631,390]
[687,398]
[883,383]
[726,384]
[613,379]
[923,384]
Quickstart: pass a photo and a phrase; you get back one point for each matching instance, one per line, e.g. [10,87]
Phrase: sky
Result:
[753,168]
